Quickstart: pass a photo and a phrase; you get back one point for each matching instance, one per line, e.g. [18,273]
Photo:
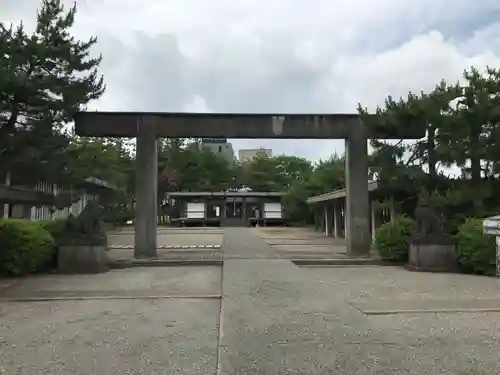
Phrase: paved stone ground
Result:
[154,282]
[177,236]
[159,336]
[273,318]
[206,243]
[132,321]
[302,243]
[173,244]
[281,319]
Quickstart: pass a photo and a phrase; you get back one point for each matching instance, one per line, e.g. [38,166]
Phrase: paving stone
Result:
[112,337]
[280,319]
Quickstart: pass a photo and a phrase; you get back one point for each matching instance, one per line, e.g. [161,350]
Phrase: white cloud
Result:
[280,55]
[197,104]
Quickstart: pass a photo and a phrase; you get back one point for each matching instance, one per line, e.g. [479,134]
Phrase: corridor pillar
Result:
[373,219]
[328,218]
[337,219]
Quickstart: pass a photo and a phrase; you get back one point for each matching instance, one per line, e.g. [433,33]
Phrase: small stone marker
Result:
[491,226]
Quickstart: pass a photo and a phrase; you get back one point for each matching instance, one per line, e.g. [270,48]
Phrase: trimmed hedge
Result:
[25,247]
[55,227]
[476,251]
[392,238]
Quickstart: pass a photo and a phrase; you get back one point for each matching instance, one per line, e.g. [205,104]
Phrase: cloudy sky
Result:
[278,56]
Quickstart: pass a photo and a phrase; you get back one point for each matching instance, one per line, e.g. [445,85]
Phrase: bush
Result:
[392,239]
[25,247]
[476,251]
[55,227]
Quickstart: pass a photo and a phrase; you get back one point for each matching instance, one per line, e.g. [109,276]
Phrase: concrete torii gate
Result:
[148,126]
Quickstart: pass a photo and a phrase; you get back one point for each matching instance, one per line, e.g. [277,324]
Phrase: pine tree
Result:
[471,134]
[45,78]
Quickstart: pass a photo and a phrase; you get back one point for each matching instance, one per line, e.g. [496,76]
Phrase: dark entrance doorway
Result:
[234,210]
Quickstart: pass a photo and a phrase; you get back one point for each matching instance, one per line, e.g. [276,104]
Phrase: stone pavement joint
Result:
[110,297]
[433,311]
[384,306]
[170,246]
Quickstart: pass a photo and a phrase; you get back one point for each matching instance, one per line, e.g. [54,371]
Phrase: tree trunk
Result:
[475,170]
[431,156]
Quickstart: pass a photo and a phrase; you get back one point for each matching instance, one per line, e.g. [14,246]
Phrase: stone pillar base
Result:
[82,259]
[426,257]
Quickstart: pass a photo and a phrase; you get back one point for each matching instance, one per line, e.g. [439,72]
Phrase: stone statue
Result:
[429,223]
[431,249]
[87,228]
[82,248]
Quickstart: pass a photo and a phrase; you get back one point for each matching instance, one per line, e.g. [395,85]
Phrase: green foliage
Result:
[25,247]
[54,227]
[108,159]
[279,173]
[463,130]
[117,213]
[45,78]
[261,173]
[325,176]
[392,238]
[476,250]
[295,207]
[328,175]
[57,229]
[202,170]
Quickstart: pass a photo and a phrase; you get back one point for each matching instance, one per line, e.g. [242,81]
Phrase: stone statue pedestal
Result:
[82,259]
[432,253]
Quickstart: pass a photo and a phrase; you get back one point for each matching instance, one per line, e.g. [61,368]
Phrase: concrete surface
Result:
[115,255]
[273,318]
[188,238]
[302,243]
[156,281]
[121,244]
[281,319]
[168,323]
[8,283]
[163,336]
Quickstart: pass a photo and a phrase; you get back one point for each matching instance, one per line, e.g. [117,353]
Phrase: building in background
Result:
[47,201]
[250,153]
[227,208]
[219,146]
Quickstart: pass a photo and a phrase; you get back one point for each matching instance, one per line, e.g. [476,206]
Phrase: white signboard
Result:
[272,210]
[195,210]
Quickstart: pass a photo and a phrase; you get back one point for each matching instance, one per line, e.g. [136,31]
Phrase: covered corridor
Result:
[330,209]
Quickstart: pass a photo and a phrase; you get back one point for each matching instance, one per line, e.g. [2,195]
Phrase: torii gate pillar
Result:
[146,191]
[358,238]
